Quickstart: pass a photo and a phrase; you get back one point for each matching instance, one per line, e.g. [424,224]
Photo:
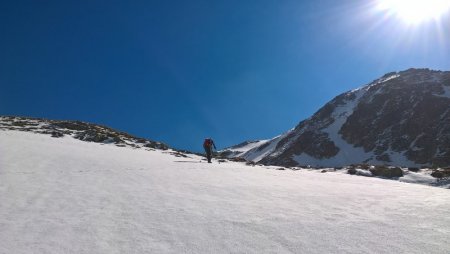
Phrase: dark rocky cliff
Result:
[399,119]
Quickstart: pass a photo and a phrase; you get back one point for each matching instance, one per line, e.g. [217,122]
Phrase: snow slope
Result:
[62,195]
[347,152]
[240,149]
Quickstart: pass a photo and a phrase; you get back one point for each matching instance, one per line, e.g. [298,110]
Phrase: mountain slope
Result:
[79,130]
[400,119]
[242,148]
[63,195]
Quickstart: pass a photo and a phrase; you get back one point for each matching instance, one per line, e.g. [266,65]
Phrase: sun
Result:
[415,11]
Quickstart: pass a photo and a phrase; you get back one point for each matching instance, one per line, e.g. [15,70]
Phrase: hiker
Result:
[208,145]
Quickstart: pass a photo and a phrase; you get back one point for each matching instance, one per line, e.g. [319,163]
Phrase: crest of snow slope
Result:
[264,148]
[62,195]
[259,152]
[240,149]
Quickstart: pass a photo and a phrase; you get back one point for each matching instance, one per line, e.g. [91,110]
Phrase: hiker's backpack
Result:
[207,142]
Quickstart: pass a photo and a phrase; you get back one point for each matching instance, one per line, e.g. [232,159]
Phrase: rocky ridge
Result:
[401,119]
[79,130]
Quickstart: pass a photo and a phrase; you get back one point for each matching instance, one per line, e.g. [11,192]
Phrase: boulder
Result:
[441,173]
[351,171]
[56,134]
[388,172]
[414,169]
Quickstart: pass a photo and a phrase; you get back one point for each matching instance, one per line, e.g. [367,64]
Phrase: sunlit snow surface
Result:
[238,151]
[61,195]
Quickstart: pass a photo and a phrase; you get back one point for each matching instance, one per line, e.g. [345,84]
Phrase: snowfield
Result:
[62,195]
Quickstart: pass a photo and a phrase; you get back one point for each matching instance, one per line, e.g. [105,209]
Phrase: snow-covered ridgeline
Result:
[240,149]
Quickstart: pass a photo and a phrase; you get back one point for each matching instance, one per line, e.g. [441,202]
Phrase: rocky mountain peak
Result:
[402,118]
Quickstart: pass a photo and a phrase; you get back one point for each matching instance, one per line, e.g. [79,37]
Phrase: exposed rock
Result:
[80,130]
[178,154]
[250,163]
[351,171]
[402,114]
[388,172]
[413,169]
[57,134]
[238,159]
[441,173]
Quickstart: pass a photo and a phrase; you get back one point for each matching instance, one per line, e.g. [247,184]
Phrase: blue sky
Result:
[179,71]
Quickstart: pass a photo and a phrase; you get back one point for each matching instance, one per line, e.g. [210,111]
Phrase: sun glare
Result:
[415,11]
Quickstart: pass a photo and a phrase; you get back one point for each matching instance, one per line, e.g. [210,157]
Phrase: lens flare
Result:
[415,11]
